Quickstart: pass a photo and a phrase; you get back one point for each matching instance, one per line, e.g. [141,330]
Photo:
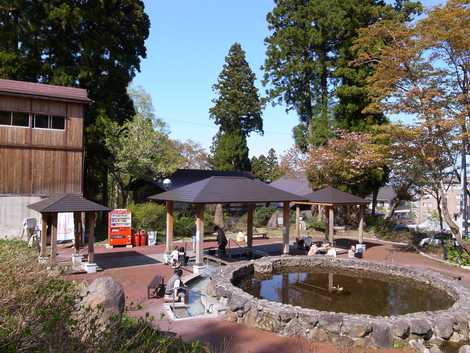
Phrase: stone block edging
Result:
[340,328]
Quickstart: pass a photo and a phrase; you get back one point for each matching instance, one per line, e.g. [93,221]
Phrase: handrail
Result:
[230,249]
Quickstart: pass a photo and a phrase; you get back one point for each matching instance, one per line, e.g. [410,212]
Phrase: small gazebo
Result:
[59,203]
[330,198]
[225,190]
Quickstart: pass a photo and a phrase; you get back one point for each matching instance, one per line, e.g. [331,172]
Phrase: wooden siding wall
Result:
[41,161]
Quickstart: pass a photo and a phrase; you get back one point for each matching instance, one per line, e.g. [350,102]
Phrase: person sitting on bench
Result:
[174,256]
[175,286]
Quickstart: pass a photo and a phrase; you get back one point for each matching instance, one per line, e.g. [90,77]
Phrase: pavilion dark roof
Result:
[226,189]
[67,203]
[332,196]
[40,90]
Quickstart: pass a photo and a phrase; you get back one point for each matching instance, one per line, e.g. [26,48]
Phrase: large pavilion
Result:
[331,198]
[225,190]
[76,203]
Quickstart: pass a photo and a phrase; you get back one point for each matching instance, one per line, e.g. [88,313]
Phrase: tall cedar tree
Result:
[307,64]
[96,45]
[237,110]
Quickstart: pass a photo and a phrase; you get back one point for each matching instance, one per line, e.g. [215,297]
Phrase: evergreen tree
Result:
[237,111]
[266,168]
[230,152]
[96,45]
[307,64]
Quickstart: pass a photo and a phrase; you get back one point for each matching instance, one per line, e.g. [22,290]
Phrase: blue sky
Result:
[185,52]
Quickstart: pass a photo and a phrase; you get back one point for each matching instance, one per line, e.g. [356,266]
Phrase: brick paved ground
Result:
[134,268]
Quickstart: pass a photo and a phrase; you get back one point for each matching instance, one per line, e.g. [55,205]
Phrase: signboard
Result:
[65,226]
[119,227]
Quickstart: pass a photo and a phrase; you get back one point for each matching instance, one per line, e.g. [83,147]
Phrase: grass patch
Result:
[38,313]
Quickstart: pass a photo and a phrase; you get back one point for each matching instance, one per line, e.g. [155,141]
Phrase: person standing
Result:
[221,240]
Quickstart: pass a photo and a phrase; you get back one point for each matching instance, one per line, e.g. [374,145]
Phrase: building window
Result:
[14,119]
[41,121]
[49,122]
[5,118]
[58,122]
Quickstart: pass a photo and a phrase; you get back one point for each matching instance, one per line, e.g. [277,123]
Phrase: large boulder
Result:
[104,296]
[464,349]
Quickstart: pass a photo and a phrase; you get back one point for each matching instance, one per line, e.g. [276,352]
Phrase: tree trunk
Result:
[439,211]
[393,208]
[375,194]
[219,215]
[454,228]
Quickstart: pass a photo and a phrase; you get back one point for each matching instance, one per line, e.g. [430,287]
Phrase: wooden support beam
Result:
[249,226]
[77,226]
[199,234]
[361,224]
[331,225]
[90,224]
[169,227]
[53,239]
[297,221]
[285,226]
[44,225]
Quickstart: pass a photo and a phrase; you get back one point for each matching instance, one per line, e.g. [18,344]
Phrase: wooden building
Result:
[41,147]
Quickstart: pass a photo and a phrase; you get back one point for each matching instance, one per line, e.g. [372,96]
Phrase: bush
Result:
[38,314]
[456,255]
[316,224]
[149,216]
[262,215]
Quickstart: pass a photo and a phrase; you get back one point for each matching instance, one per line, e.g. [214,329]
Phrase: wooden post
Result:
[297,221]
[331,224]
[90,223]
[54,239]
[77,226]
[199,234]
[169,226]
[361,224]
[285,226]
[249,227]
[44,224]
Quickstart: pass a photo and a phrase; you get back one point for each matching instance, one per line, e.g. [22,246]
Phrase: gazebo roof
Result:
[226,189]
[332,196]
[67,203]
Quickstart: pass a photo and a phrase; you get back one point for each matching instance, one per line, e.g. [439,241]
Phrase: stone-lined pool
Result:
[347,291]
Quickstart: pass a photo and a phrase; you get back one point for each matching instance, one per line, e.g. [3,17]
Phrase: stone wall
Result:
[357,330]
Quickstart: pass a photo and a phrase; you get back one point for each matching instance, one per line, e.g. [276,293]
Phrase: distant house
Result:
[41,147]
[295,185]
[385,198]
[144,188]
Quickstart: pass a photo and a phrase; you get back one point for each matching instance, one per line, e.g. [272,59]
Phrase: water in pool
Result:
[347,292]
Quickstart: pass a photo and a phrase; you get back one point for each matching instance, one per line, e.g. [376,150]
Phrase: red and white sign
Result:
[119,227]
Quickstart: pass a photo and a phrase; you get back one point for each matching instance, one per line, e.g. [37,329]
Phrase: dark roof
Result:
[386,193]
[296,185]
[184,177]
[226,189]
[332,196]
[40,90]
[67,203]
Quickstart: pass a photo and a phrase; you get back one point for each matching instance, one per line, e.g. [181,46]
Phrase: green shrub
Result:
[184,226]
[38,314]
[262,215]
[149,216]
[316,224]
[456,255]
